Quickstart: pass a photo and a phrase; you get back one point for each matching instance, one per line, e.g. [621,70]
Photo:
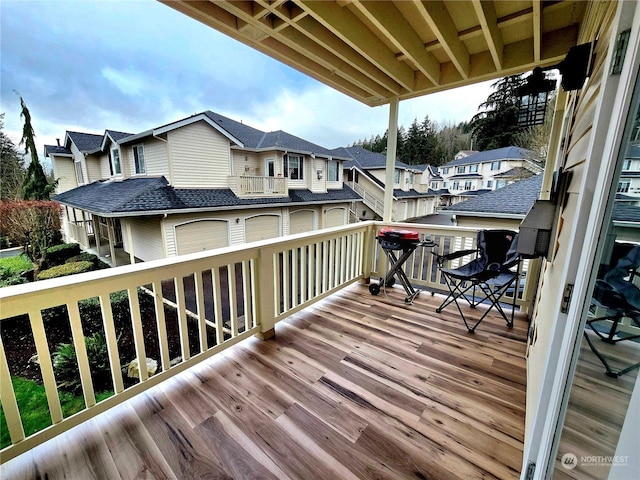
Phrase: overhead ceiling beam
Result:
[346,26]
[386,18]
[486,14]
[295,40]
[537,30]
[440,23]
[213,16]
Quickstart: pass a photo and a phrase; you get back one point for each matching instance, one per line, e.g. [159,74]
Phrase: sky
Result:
[130,66]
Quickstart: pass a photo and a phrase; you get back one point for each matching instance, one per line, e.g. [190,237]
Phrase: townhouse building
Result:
[201,182]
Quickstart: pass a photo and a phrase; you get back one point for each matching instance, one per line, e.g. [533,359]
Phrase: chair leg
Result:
[604,362]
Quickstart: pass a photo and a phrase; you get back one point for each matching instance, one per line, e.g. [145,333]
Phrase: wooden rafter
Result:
[537,30]
[486,13]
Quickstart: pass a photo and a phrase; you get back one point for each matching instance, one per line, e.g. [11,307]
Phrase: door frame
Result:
[541,441]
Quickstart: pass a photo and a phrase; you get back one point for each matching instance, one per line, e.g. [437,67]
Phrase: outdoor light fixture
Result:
[534,95]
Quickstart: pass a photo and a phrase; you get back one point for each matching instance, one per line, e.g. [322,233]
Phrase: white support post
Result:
[392,145]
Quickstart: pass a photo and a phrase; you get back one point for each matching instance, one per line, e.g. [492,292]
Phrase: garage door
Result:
[301,221]
[335,217]
[261,227]
[202,235]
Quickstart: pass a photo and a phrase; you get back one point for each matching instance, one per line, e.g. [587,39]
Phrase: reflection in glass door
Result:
[607,368]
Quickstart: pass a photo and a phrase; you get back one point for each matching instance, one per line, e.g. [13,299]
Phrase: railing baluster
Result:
[162,326]
[112,342]
[294,277]
[81,354]
[303,274]
[182,319]
[246,286]
[285,280]
[233,299]
[8,398]
[318,268]
[138,335]
[217,302]
[202,326]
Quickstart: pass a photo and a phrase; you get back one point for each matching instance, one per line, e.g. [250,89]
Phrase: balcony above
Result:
[246,186]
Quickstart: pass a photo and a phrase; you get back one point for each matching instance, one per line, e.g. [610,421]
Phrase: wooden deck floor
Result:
[354,387]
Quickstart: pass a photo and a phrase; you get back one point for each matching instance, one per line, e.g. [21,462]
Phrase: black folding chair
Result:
[617,294]
[487,278]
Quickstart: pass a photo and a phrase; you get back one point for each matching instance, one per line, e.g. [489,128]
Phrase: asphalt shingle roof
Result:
[515,172]
[623,212]
[55,149]
[515,198]
[505,153]
[156,195]
[365,159]
[86,142]
[118,135]
[254,138]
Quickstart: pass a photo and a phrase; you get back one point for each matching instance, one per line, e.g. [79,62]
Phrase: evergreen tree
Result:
[36,186]
[11,167]
[496,125]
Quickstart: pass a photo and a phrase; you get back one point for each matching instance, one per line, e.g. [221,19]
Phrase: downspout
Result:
[392,145]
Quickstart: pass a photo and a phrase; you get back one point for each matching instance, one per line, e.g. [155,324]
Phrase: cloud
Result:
[135,65]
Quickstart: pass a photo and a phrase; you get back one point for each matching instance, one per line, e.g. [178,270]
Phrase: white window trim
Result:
[114,152]
[134,151]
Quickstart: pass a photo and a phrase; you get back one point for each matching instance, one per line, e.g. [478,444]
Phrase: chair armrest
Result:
[442,259]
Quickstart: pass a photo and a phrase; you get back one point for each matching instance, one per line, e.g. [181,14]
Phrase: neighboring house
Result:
[201,182]
[629,183]
[469,175]
[502,208]
[366,174]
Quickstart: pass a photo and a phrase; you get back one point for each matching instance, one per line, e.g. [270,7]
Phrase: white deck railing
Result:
[248,185]
[218,298]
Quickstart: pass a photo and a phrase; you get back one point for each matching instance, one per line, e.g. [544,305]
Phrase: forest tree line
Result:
[494,126]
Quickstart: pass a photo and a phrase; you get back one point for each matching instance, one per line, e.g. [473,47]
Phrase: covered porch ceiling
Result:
[375,51]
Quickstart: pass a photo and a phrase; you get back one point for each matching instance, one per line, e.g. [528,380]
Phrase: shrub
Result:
[13,270]
[32,224]
[88,257]
[58,254]
[65,365]
[65,269]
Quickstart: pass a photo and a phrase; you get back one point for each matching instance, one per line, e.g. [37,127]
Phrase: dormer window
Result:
[116,169]
[79,174]
[138,159]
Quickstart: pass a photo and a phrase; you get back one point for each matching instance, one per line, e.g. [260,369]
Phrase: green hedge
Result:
[58,254]
[88,257]
[65,269]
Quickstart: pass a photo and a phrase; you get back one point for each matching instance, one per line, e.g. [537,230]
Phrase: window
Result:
[627,164]
[410,179]
[138,159]
[623,187]
[396,177]
[115,160]
[293,167]
[332,171]
[501,183]
[495,165]
[473,168]
[460,169]
[445,170]
[79,174]
[434,185]
[467,185]
[489,183]
[456,186]
[445,185]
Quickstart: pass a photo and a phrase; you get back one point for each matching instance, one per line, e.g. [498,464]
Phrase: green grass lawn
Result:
[14,265]
[32,402]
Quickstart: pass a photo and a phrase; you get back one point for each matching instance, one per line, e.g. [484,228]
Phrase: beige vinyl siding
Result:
[201,235]
[334,217]
[105,170]
[261,227]
[318,185]
[155,157]
[200,156]
[146,235]
[94,171]
[245,163]
[301,221]
[579,139]
[64,171]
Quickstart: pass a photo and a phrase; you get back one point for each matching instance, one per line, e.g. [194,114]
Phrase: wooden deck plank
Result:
[356,387]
